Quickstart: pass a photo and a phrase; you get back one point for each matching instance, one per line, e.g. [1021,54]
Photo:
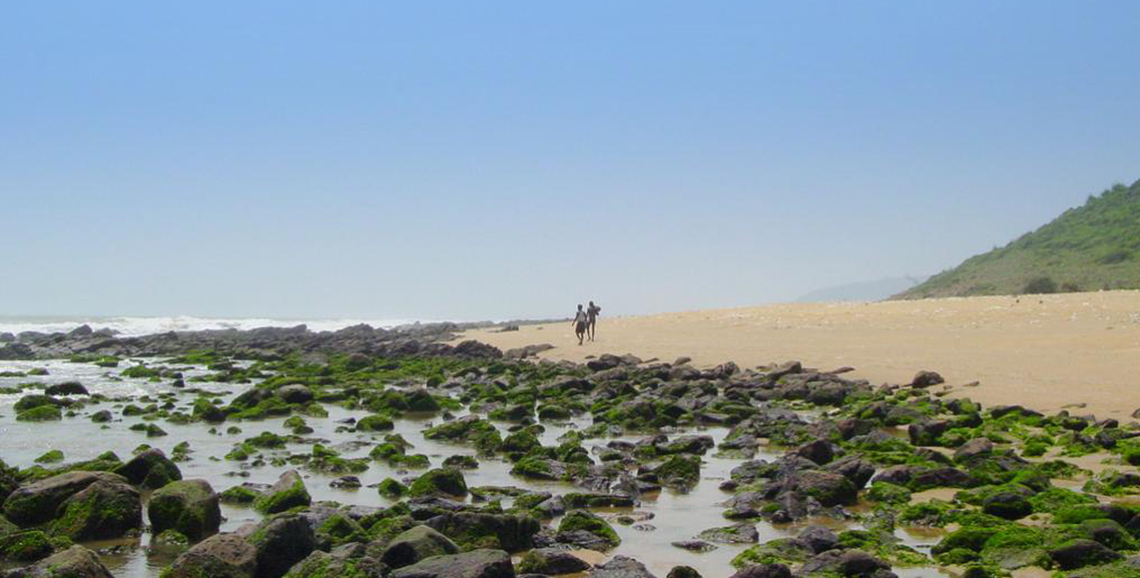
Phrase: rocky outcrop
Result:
[473,564]
[219,556]
[37,502]
[74,562]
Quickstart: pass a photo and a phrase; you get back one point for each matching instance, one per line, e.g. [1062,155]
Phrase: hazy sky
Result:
[478,160]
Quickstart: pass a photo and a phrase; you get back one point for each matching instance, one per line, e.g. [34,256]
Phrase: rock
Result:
[855,468]
[74,562]
[416,544]
[189,506]
[926,432]
[764,571]
[345,482]
[295,394]
[150,469]
[818,539]
[1078,553]
[694,545]
[818,451]
[281,542]
[688,444]
[481,563]
[743,533]
[621,567]
[219,556]
[37,502]
[347,561]
[102,510]
[844,563]
[927,379]
[972,449]
[683,572]
[589,522]
[828,488]
[479,530]
[1008,504]
[551,561]
[440,481]
[66,388]
[288,492]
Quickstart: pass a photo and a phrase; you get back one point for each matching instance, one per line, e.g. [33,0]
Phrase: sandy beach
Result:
[1079,351]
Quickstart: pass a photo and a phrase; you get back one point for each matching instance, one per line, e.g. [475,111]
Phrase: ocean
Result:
[137,326]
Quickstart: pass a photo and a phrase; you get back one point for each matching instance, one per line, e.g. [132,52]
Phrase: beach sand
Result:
[1079,351]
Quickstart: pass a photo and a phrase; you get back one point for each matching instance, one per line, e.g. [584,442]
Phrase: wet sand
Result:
[1047,352]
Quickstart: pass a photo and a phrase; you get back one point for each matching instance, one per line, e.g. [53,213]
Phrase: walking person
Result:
[579,324]
[592,313]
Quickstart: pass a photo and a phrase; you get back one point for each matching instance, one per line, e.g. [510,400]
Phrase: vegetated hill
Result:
[1089,248]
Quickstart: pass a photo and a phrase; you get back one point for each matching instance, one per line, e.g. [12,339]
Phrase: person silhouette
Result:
[592,313]
[579,324]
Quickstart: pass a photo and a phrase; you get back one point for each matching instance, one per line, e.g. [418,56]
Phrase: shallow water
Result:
[675,516]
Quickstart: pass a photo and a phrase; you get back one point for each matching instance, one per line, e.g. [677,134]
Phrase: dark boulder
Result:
[102,510]
[481,563]
[621,567]
[764,571]
[551,561]
[189,506]
[281,542]
[150,469]
[74,562]
[926,379]
[37,502]
[219,556]
[1078,553]
[66,388]
[416,544]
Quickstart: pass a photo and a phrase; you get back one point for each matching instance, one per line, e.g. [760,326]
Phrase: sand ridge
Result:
[1044,351]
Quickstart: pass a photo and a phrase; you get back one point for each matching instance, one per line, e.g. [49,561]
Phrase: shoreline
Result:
[1074,351]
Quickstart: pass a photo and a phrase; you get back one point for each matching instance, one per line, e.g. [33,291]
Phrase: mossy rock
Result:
[189,506]
[392,489]
[239,495]
[583,520]
[441,481]
[50,457]
[26,546]
[289,492]
[40,413]
[102,510]
[377,422]
[888,493]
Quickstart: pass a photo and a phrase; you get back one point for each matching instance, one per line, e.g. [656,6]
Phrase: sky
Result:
[494,160]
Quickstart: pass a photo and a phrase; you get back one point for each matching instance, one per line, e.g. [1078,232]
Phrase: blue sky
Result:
[511,159]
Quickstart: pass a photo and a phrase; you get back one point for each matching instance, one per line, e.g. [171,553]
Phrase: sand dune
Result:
[1047,352]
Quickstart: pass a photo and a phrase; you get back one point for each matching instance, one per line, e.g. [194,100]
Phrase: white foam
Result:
[137,326]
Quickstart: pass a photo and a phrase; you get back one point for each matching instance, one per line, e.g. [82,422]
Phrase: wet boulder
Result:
[440,481]
[551,561]
[818,451]
[827,488]
[975,448]
[280,542]
[74,562]
[742,533]
[37,502]
[150,469]
[925,379]
[844,563]
[219,556]
[295,393]
[927,432]
[621,567]
[1078,553]
[416,544]
[102,510]
[288,492]
[188,506]
[66,388]
[348,561]
[1011,504]
[482,563]
[855,468]
[764,571]
[818,539]
[586,521]
[688,444]
[483,530]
